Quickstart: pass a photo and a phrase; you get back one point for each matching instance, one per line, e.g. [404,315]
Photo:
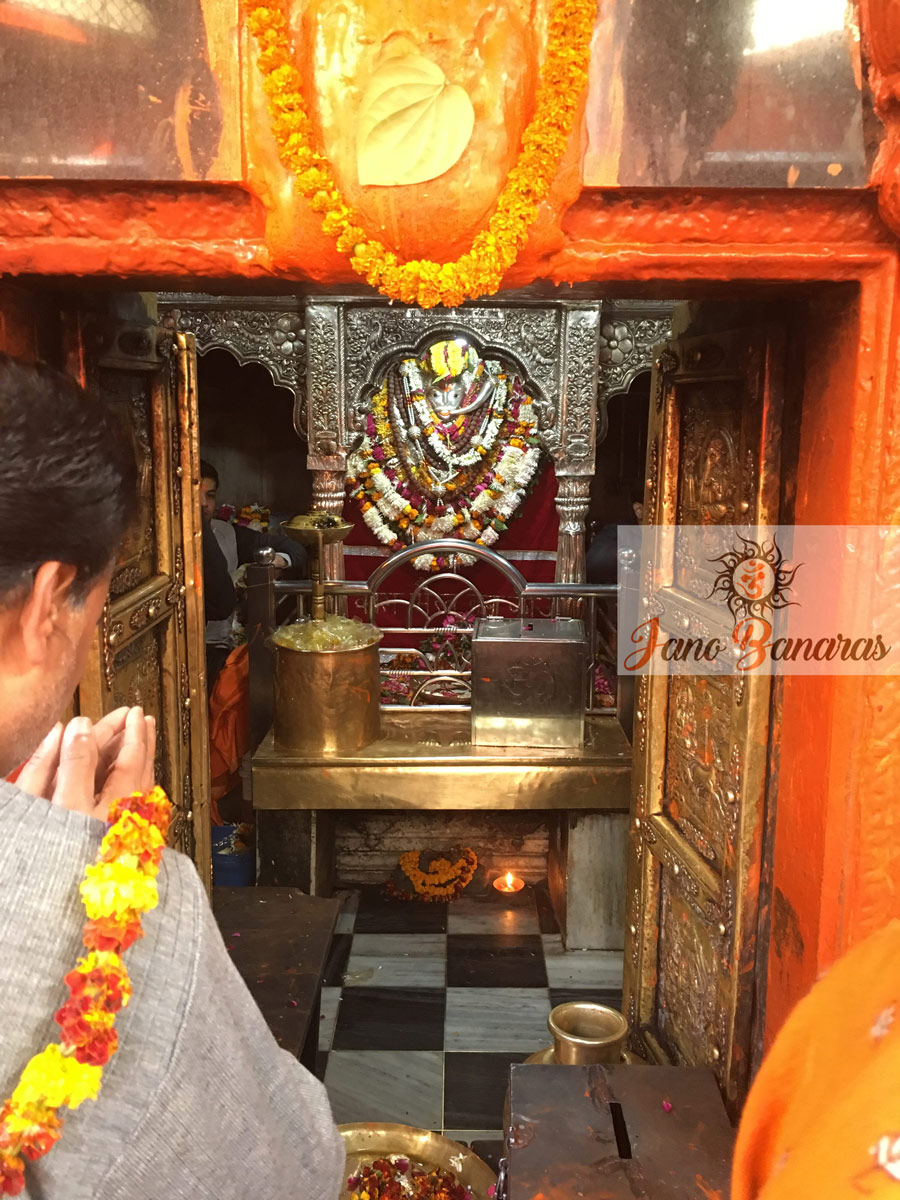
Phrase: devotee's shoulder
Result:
[199,1100]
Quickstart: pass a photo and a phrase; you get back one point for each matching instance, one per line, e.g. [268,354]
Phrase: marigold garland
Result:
[494,250]
[116,890]
[443,881]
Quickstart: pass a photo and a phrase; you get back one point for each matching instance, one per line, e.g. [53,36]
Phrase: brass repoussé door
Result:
[701,742]
[149,648]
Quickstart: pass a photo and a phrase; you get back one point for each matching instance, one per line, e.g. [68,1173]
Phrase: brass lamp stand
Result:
[315,530]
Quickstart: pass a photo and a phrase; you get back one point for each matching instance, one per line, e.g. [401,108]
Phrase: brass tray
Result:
[304,529]
[366,1142]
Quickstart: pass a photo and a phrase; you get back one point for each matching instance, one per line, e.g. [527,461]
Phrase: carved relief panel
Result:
[149,649]
[701,744]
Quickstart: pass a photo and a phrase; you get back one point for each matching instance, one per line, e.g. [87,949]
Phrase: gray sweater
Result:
[199,1102]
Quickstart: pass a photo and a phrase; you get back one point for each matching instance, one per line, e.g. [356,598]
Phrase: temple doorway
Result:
[735,387]
[250,452]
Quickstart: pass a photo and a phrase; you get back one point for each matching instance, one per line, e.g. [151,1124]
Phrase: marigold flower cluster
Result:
[117,889]
[443,881]
[494,250]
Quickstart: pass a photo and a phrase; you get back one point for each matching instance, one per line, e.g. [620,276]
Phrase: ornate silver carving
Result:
[267,330]
[626,349]
[572,502]
[325,395]
[578,387]
[373,333]
[351,342]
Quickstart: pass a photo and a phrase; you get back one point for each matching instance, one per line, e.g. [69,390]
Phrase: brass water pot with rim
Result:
[585,1033]
[326,701]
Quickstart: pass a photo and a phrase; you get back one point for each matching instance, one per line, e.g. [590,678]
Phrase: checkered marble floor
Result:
[425,1006]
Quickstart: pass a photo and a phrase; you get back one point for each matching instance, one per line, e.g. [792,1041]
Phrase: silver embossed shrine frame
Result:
[350,343]
[259,329]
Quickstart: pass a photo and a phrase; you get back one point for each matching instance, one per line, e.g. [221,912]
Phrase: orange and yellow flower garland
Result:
[444,880]
[480,270]
[116,890]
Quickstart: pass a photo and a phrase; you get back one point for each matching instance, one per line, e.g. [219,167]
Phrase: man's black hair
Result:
[208,471]
[68,480]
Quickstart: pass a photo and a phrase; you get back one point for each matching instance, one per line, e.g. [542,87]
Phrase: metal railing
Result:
[427,633]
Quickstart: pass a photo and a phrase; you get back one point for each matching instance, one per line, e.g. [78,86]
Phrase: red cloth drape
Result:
[536,527]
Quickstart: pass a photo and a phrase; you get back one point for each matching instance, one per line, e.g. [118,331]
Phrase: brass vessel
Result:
[366,1142]
[585,1033]
[326,701]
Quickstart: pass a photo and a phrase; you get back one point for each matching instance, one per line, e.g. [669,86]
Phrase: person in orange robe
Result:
[822,1120]
[229,727]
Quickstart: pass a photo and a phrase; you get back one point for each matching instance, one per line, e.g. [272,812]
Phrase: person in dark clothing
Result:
[601,561]
[219,593]
[225,548]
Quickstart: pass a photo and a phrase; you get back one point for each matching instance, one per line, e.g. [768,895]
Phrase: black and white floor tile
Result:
[425,1006]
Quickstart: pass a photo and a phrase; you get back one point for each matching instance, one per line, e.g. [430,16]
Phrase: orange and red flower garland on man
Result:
[117,889]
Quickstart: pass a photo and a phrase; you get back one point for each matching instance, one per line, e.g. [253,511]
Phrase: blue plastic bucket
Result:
[233,861]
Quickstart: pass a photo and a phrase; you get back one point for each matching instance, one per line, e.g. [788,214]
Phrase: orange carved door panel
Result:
[702,742]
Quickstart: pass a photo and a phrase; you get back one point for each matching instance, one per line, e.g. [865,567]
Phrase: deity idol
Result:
[450,450]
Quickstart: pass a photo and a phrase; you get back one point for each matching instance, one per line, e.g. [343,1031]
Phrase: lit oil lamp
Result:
[509,883]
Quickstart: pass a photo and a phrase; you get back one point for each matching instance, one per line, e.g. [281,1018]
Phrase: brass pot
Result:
[327,701]
[585,1033]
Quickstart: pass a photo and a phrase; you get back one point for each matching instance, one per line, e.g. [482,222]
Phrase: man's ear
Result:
[45,610]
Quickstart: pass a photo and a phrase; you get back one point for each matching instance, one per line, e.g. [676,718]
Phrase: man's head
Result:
[209,486]
[67,495]
[637,499]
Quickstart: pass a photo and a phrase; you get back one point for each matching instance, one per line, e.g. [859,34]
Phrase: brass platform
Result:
[427,761]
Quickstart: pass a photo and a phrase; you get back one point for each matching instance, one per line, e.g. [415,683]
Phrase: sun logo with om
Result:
[753,580]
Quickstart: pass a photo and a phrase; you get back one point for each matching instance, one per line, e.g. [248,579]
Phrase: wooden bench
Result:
[279,940]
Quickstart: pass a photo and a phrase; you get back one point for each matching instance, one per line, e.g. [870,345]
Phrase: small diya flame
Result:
[509,883]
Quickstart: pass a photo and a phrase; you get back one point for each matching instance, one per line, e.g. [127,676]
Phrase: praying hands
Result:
[85,766]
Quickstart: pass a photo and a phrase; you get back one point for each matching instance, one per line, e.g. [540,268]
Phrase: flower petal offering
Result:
[395,1178]
[398,1162]
[333,633]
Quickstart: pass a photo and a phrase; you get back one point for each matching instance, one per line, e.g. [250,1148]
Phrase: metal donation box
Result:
[528,682]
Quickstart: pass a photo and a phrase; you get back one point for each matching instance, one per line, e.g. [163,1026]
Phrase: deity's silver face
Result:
[447,396]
